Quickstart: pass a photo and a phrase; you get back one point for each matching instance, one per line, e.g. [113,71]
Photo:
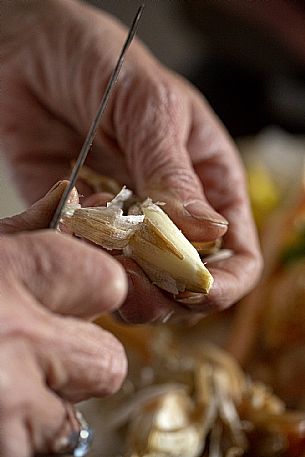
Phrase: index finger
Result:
[66,275]
[220,170]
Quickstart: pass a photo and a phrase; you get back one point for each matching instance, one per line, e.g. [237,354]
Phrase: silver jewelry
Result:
[84,438]
[78,443]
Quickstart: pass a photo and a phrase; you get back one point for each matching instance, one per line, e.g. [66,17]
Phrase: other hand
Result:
[50,357]
[158,136]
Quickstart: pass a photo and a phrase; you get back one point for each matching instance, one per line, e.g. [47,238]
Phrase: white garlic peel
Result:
[150,238]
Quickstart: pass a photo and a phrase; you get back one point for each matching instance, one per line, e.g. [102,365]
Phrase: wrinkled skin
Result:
[49,355]
[158,136]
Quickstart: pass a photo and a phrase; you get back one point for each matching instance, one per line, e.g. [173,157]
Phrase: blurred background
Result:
[247,58]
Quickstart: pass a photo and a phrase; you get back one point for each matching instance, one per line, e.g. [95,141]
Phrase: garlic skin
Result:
[105,226]
[148,237]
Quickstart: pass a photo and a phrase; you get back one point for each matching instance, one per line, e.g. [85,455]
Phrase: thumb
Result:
[39,215]
[173,181]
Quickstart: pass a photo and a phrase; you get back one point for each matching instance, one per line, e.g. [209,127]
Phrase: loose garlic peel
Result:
[150,238]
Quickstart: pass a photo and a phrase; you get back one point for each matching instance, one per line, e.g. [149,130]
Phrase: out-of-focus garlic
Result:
[166,427]
[149,237]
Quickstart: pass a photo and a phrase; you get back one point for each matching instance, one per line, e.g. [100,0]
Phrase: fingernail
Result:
[166,318]
[192,299]
[55,187]
[223,254]
[200,210]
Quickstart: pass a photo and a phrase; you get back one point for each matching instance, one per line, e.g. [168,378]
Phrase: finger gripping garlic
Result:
[149,237]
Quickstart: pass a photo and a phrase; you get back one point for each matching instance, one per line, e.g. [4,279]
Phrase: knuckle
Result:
[95,364]
[14,326]
[41,262]
[21,319]
[179,178]
[160,98]
[22,322]
[164,109]
[18,314]
[159,108]
[157,155]
[9,257]
[30,259]
[167,96]
[113,364]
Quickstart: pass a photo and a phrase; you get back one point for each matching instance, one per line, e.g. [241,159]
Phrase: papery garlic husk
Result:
[166,427]
[150,238]
[105,226]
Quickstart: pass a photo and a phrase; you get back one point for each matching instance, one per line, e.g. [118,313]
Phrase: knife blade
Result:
[96,121]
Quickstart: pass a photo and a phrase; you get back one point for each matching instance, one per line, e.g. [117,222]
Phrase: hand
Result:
[158,136]
[49,357]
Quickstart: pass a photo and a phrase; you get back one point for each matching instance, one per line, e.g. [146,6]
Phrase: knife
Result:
[95,123]
[84,438]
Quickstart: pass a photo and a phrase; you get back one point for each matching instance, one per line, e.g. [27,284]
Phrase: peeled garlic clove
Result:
[150,238]
[166,255]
